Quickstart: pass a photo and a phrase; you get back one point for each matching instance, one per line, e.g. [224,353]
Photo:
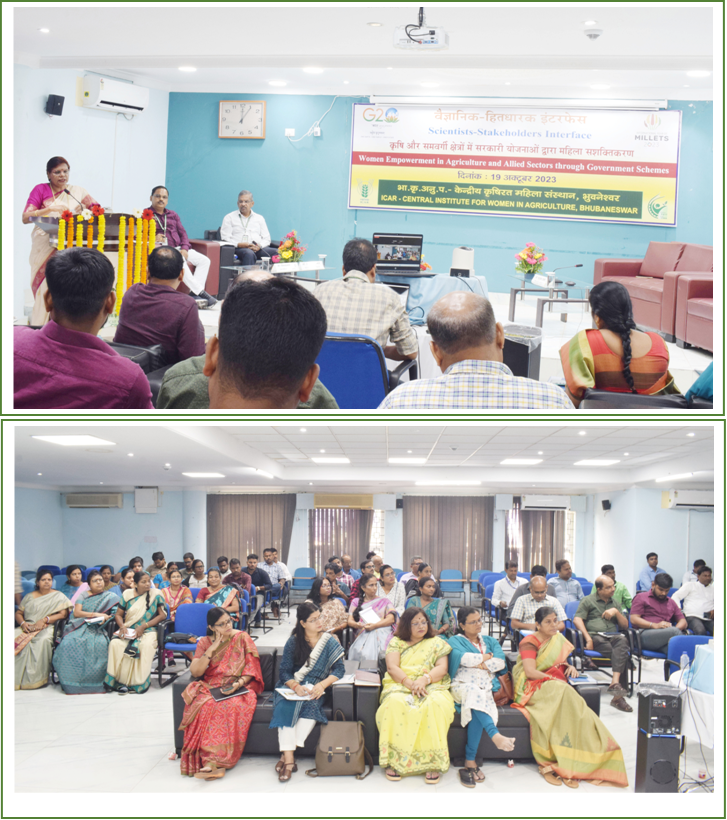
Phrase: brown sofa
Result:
[652,281]
[694,311]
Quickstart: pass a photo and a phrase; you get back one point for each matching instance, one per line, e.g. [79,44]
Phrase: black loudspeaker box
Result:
[606,504]
[660,710]
[54,105]
[657,764]
[399,503]
[520,360]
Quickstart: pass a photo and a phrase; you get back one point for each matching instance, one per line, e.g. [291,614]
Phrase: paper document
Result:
[582,679]
[288,694]
[344,679]
[368,616]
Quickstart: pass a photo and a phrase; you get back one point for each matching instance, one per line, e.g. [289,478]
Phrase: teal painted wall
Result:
[304,185]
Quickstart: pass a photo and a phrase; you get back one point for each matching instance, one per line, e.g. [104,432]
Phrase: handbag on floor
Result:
[504,695]
[341,750]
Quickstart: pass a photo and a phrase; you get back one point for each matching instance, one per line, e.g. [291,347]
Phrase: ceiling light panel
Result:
[75,441]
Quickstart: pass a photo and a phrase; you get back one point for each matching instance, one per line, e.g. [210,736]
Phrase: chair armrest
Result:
[396,374]
[695,286]
[670,299]
[603,268]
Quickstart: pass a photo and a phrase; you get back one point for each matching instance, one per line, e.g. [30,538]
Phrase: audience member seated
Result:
[108,579]
[378,563]
[161,581]
[156,313]
[506,587]
[126,582]
[374,620]
[198,578]
[130,659]
[223,564]
[693,574]
[215,731]
[188,558]
[64,365]
[337,590]
[437,609]
[279,577]
[523,612]
[260,580]
[237,578]
[367,568]
[358,304]
[649,572]
[81,657]
[247,231]
[176,593]
[75,584]
[341,576]
[615,356]
[697,599]
[412,586]
[467,345]
[334,618]
[220,595]
[599,620]
[312,661]
[347,563]
[556,711]
[157,565]
[657,616]
[566,587]
[703,387]
[524,589]
[136,564]
[413,566]
[38,611]
[475,664]
[621,595]
[392,589]
[416,708]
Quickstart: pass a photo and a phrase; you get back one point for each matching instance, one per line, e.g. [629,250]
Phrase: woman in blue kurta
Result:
[312,661]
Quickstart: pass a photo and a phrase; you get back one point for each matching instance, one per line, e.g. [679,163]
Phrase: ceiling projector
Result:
[421,37]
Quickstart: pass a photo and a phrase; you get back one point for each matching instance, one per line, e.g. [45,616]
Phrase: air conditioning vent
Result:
[699,500]
[545,502]
[351,501]
[94,500]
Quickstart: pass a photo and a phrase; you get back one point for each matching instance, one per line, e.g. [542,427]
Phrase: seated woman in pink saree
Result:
[215,731]
[50,199]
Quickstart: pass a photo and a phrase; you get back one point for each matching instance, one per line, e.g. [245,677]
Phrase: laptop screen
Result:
[398,253]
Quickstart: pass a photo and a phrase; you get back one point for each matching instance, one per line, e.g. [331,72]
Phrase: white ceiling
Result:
[453,453]
[512,49]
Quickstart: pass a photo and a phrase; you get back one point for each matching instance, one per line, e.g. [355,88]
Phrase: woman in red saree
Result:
[215,731]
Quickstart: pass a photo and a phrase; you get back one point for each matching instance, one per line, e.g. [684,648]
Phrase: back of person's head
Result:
[700,562]
[663,580]
[607,568]
[270,335]
[611,303]
[79,281]
[359,254]
[538,569]
[462,321]
[165,262]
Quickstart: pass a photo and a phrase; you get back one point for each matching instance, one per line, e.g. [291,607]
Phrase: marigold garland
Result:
[61,234]
[130,253]
[152,237]
[101,232]
[79,232]
[144,250]
[69,227]
[120,265]
[89,234]
[137,251]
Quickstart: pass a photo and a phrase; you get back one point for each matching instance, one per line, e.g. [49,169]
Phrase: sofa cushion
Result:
[507,717]
[267,667]
[697,258]
[701,307]
[661,257]
[646,289]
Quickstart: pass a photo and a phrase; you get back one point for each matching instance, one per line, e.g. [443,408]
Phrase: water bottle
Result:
[684,661]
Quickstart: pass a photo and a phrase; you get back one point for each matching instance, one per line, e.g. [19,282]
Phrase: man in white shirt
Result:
[693,574]
[247,231]
[279,577]
[407,576]
[697,599]
[505,587]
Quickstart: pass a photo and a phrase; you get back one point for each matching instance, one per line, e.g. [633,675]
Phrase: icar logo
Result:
[657,207]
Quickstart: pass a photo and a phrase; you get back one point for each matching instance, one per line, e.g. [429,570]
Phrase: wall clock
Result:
[241,120]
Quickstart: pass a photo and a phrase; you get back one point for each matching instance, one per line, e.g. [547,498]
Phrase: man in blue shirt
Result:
[566,587]
[649,572]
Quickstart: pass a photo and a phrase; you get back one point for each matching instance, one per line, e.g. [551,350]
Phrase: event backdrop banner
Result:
[604,166]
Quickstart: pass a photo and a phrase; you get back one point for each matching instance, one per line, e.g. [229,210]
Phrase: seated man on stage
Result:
[156,313]
[247,231]
[64,365]
[170,231]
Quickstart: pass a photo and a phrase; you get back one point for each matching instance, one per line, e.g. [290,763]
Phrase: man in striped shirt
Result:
[467,345]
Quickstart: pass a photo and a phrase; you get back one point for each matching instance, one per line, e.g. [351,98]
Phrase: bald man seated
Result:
[467,345]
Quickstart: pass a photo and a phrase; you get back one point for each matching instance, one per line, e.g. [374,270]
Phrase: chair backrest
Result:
[489,591]
[52,568]
[303,577]
[353,368]
[28,585]
[525,575]
[356,574]
[551,575]
[398,572]
[570,610]
[672,590]
[343,601]
[195,592]
[684,643]
[587,587]
[450,575]
[192,619]
[398,575]
[59,580]
[148,358]
[607,399]
[28,573]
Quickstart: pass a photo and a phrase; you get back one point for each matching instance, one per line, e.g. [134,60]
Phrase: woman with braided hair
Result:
[616,356]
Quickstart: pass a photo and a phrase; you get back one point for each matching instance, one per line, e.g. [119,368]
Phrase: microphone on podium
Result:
[66,191]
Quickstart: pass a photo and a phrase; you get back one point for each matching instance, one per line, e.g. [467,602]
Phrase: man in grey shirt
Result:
[566,587]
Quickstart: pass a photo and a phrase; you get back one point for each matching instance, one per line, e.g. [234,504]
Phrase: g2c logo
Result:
[379,115]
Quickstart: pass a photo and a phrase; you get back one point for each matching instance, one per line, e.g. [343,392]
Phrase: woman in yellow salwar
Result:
[38,611]
[569,741]
[416,708]
[130,660]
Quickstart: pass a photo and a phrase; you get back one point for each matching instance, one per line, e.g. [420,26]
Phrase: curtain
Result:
[451,532]
[240,524]
[338,531]
[534,537]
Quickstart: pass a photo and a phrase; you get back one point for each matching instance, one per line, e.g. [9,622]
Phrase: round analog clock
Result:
[241,120]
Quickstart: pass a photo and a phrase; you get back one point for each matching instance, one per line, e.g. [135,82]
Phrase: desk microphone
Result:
[565,267]
[66,191]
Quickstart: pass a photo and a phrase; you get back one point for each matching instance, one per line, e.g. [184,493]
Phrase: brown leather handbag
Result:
[504,695]
[341,750]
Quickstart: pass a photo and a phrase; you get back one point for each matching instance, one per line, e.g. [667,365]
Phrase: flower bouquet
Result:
[290,249]
[424,265]
[530,260]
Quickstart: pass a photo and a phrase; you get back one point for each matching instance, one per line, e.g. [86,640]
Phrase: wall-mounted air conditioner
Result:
[545,502]
[112,95]
[700,500]
[351,501]
[94,500]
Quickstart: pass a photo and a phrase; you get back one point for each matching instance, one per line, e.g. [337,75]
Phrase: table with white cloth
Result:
[697,712]
[424,291]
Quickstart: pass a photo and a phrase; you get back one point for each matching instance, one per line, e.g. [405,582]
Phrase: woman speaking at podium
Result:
[50,199]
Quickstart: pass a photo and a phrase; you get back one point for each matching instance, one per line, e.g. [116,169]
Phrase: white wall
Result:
[38,528]
[85,137]
[298,553]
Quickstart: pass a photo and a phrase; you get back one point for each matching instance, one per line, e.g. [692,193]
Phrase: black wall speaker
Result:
[657,764]
[606,504]
[399,503]
[54,105]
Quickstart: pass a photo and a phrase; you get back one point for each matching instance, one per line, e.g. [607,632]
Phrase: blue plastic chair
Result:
[451,582]
[195,593]
[59,580]
[488,577]
[52,568]
[525,575]
[474,581]
[28,573]
[551,575]
[356,574]
[398,574]
[189,618]
[398,571]
[638,652]
[587,587]
[28,585]
[353,368]
[303,577]
[679,644]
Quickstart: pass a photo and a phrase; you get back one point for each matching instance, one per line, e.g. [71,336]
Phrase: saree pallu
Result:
[589,362]
[325,659]
[413,731]
[439,612]
[129,662]
[565,735]
[223,596]
[370,646]
[74,593]
[216,732]
[82,655]
[32,661]
[175,600]
[396,595]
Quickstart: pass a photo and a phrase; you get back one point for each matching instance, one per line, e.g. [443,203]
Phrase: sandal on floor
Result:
[279,765]
[395,777]
[572,784]
[477,772]
[553,779]
[431,781]
[467,777]
[213,774]
[287,771]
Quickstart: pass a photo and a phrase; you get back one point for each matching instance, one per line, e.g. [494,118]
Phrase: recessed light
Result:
[167,464]
[331,460]
[310,483]
[596,462]
[189,68]
[278,83]
[686,86]
[590,22]
[204,475]
[690,435]
[581,432]
[409,451]
[414,460]
[600,87]
[540,452]
[375,25]
[75,441]
[267,475]
[322,451]
[40,473]
[626,454]
[44,30]
[507,83]
[389,67]
[674,477]
[345,82]
[699,73]
[429,85]
[100,482]
[130,455]
[312,69]
[521,461]
[448,483]
[302,429]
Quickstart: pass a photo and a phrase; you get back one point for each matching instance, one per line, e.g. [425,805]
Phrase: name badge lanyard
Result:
[245,237]
[163,229]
